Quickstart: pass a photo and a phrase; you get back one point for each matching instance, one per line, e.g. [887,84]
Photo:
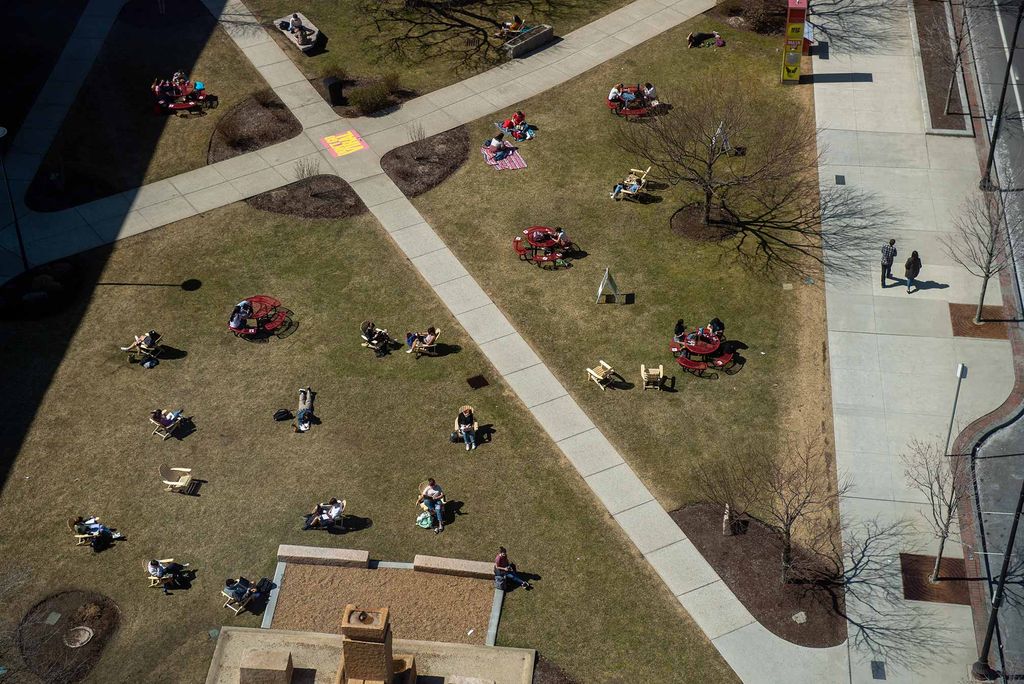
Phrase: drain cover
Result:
[76,637]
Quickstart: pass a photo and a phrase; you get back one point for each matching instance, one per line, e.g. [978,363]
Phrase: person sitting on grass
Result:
[166,418]
[418,339]
[304,416]
[145,343]
[466,426]
[432,498]
[326,515]
[505,570]
[160,570]
[497,147]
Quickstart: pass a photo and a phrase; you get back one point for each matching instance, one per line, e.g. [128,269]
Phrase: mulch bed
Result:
[688,222]
[42,644]
[339,102]
[750,566]
[937,60]
[993,326]
[546,672]
[319,196]
[424,164]
[422,605]
[951,587]
[256,122]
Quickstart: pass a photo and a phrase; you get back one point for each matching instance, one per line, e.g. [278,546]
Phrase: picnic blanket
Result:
[513,161]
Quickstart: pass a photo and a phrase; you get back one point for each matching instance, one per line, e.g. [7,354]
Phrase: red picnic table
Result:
[540,237]
[265,317]
[704,349]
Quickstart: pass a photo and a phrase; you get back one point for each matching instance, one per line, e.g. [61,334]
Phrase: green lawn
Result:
[112,139]
[598,610]
[341,22]
[573,164]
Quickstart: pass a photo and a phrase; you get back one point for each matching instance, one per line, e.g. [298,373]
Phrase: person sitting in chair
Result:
[161,570]
[505,570]
[304,416]
[166,418]
[432,498]
[509,27]
[239,589]
[92,525]
[418,339]
[631,183]
[466,426]
[375,338]
[326,515]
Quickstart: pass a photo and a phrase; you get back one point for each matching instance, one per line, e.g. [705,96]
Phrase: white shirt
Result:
[433,492]
[335,510]
[614,93]
[496,143]
[650,93]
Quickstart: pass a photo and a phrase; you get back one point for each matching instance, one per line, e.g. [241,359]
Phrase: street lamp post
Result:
[14,209]
[986,181]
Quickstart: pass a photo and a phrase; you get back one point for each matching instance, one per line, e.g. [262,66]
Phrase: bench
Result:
[528,40]
[691,366]
[310,33]
[453,566]
[723,360]
[315,555]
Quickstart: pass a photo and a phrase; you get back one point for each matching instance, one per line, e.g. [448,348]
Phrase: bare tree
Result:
[461,31]
[752,160]
[855,25]
[980,243]
[784,489]
[862,575]
[941,479]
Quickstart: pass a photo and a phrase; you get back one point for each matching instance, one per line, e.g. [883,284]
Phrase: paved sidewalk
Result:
[753,652]
[893,355]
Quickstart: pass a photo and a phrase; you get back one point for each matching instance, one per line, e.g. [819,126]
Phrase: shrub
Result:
[371,98]
[392,81]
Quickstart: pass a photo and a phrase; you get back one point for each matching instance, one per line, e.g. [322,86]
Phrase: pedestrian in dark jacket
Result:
[912,269]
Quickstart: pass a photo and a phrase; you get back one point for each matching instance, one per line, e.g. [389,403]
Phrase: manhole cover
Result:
[76,637]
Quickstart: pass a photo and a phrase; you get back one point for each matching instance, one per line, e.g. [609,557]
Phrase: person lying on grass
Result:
[304,416]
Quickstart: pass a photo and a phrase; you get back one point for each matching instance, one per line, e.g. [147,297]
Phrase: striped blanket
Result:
[513,161]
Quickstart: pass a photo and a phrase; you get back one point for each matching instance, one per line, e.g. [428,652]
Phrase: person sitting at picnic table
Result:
[325,515]
[716,329]
[304,416]
[157,569]
[432,497]
[415,339]
[630,183]
[679,332]
[466,426]
[510,27]
[561,238]
[650,94]
[240,315]
[504,569]
[166,417]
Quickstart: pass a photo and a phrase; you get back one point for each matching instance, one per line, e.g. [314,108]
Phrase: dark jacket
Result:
[912,267]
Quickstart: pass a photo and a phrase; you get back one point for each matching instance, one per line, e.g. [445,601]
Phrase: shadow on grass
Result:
[353,523]
[186,427]
[452,510]
[446,349]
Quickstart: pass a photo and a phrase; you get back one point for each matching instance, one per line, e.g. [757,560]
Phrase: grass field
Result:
[112,139]
[598,610]
[340,21]
[573,164]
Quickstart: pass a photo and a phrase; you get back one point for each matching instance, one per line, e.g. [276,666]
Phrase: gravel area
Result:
[423,606]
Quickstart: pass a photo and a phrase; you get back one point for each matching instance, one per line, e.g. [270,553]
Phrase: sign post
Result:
[794,46]
[607,286]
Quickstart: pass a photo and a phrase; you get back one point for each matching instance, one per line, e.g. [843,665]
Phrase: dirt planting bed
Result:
[750,565]
[44,634]
[254,123]
[424,164]
[319,196]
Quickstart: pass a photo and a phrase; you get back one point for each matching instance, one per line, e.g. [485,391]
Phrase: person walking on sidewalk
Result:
[912,269]
[888,255]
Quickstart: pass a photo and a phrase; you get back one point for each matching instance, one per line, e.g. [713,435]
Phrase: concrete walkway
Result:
[754,653]
[893,355]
